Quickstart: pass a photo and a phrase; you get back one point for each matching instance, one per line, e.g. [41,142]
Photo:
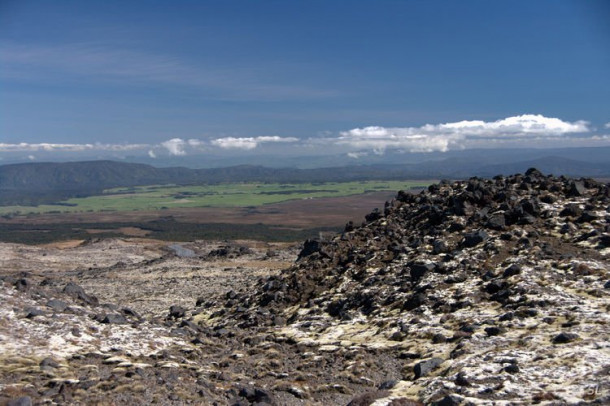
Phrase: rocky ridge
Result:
[479,291]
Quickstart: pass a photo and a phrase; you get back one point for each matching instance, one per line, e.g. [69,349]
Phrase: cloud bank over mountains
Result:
[462,134]
[528,130]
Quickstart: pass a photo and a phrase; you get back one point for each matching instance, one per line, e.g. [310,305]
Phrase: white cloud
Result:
[49,147]
[195,143]
[380,138]
[512,126]
[525,131]
[442,137]
[607,125]
[31,157]
[175,146]
[249,143]
[356,155]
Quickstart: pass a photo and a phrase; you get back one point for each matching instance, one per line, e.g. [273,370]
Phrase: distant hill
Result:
[36,183]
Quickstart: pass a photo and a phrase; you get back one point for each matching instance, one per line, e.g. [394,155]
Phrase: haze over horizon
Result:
[238,79]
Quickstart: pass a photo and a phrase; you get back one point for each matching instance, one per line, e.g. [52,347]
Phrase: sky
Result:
[117,79]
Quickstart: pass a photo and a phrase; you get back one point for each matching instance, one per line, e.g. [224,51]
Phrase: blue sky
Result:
[158,78]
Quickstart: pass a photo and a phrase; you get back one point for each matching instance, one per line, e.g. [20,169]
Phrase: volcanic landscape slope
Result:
[478,291]
[473,292]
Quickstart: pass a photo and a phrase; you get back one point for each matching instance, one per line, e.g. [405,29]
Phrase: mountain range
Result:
[34,183]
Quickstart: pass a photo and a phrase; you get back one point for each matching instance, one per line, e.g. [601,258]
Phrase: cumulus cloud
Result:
[152,154]
[175,146]
[462,134]
[512,126]
[249,143]
[607,125]
[380,138]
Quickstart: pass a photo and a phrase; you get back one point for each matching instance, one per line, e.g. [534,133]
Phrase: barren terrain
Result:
[475,292]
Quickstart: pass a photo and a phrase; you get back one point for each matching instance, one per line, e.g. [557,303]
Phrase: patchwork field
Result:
[165,197]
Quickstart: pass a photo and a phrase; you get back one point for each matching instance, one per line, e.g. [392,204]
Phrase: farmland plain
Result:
[257,211]
[164,197]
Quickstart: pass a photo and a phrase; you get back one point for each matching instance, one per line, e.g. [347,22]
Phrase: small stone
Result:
[426,367]
[461,380]
[468,328]
[449,400]
[514,269]
[114,318]
[419,270]
[495,286]
[571,210]
[439,247]
[475,238]
[32,312]
[256,395]
[48,363]
[563,338]
[497,222]
[511,369]
[22,284]
[494,331]
[176,311]
[77,292]
[387,384]
[57,305]
[587,217]
[507,316]
[130,312]
[607,285]
[577,188]
[415,301]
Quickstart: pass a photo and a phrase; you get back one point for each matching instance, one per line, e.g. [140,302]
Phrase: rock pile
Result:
[479,290]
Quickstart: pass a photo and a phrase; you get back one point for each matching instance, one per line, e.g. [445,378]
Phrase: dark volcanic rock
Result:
[176,311]
[77,292]
[449,400]
[577,188]
[256,396]
[426,367]
[497,222]
[475,238]
[57,305]
[419,270]
[32,312]
[514,269]
[309,247]
[565,337]
[114,318]
[21,284]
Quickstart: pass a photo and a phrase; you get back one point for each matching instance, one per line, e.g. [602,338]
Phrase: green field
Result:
[160,197]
